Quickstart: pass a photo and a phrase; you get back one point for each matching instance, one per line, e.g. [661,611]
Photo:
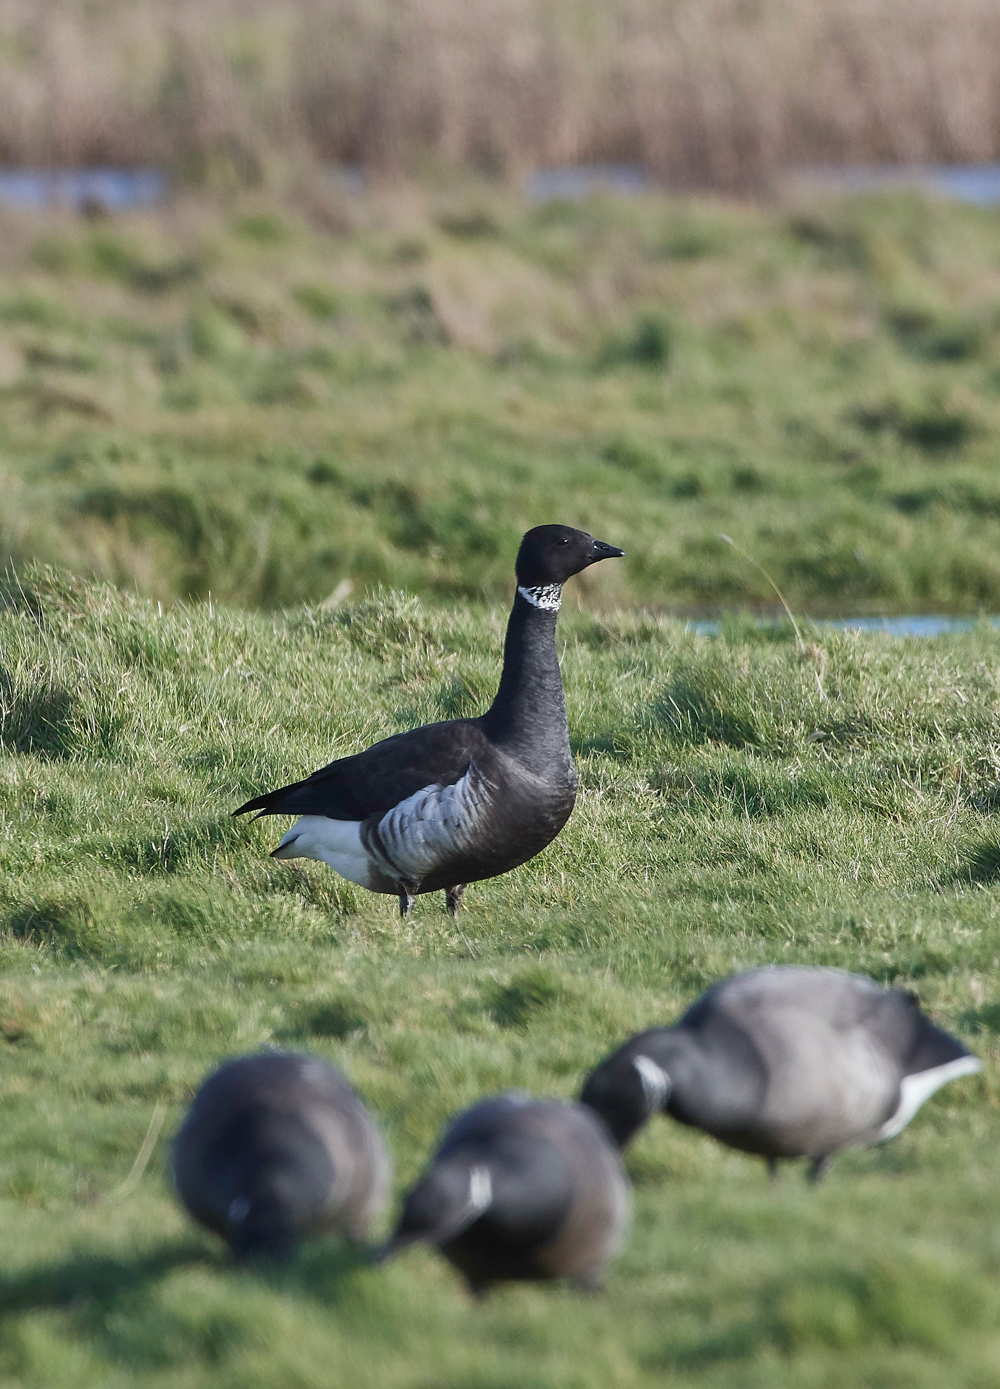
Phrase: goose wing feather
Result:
[376,780]
[835,1048]
[834,1003]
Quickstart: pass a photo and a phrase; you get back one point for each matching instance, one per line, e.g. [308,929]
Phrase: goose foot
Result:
[453,898]
[817,1168]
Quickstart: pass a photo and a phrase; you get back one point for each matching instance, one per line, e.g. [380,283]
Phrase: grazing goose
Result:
[277,1146]
[520,1189]
[454,802]
[785,1062]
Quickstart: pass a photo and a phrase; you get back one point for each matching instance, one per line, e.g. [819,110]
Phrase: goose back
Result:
[276,1147]
[783,1061]
[552,1199]
[835,1049]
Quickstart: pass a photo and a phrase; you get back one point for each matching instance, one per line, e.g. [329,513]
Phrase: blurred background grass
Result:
[239,395]
[350,350]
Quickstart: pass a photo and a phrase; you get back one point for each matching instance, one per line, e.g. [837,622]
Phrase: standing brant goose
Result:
[454,802]
[520,1189]
[785,1062]
[277,1146]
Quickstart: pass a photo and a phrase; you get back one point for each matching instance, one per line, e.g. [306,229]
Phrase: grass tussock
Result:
[702,91]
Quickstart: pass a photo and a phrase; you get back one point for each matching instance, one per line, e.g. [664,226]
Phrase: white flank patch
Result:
[431,826]
[545,596]
[655,1081]
[913,1090]
[334,842]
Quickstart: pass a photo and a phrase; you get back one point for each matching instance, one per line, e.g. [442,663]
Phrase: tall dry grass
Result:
[702,91]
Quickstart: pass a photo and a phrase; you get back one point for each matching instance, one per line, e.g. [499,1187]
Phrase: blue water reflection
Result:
[581,180]
[967,183]
[119,189]
[36,190]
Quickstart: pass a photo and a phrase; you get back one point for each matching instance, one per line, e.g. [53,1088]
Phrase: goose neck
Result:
[528,715]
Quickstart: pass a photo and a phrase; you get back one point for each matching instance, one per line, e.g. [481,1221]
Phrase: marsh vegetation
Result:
[706,92]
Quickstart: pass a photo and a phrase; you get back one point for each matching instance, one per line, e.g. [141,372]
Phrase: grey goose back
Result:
[277,1147]
[455,802]
[520,1189]
[785,1062]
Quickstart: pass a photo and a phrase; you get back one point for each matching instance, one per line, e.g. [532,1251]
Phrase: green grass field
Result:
[743,799]
[267,404]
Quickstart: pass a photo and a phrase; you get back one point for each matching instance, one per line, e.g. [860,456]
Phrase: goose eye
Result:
[563,540]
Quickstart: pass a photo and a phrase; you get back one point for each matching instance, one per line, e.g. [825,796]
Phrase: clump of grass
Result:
[934,426]
[530,992]
[650,344]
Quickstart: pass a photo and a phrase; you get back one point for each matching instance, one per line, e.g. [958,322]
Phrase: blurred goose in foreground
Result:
[275,1147]
[520,1189]
[786,1062]
[454,802]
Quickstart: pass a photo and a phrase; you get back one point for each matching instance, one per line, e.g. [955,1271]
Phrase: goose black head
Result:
[553,554]
[630,1086]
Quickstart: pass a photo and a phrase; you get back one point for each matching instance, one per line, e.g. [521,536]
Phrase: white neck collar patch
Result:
[544,596]
[480,1190]
[655,1081]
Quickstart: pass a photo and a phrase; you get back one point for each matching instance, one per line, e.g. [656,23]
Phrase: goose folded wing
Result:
[910,1037]
[376,780]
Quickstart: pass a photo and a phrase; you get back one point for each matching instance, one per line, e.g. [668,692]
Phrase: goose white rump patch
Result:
[913,1090]
[334,842]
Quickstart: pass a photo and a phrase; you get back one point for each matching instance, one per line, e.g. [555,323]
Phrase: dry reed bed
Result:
[702,91]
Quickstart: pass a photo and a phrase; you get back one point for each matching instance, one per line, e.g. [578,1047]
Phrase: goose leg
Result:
[591,1280]
[406,900]
[453,898]
[772,1169]
[817,1168]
